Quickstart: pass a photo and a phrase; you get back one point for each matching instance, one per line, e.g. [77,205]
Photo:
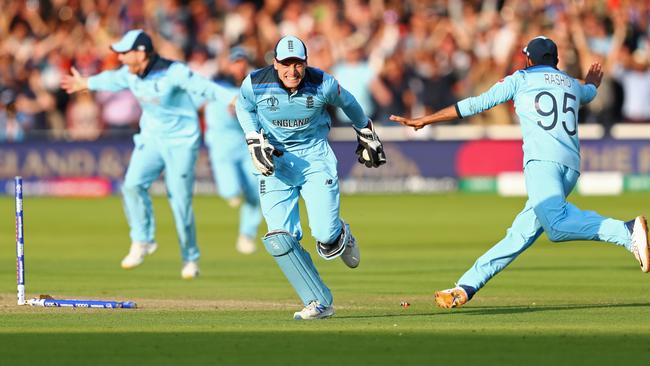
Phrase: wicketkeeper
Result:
[282,111]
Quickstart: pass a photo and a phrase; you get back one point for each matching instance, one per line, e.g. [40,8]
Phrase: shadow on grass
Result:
[572,268]
[499,310]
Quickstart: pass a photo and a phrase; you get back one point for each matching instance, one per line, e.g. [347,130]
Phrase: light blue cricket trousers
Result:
[233,173]
[310,173]
[151,155]
[548,184]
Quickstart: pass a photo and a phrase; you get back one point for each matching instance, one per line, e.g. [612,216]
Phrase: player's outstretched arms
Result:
[74,83]
[594,75]
[416,123]
[446,114]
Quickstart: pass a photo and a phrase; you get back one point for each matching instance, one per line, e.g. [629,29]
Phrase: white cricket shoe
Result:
[351,256]
[246,244]
[314,311]
[190,270]
[137,253]
[640,247]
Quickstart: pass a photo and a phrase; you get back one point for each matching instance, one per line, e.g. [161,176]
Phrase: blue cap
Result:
[542,51]
[290,47]
[238,53]
[135,39]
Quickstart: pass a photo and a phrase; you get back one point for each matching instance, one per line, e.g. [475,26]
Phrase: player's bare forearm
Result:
[445,114]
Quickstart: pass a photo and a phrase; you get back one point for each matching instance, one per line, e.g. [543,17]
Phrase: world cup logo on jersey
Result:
[272,102]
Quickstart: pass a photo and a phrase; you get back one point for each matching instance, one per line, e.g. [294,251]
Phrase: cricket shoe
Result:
[246,245]
[137,253]
[451,298]
[190,270]
[314,311]
[351,255]
[640,247]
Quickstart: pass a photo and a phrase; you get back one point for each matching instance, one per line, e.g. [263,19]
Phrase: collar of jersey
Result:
[152,62]
[535,67]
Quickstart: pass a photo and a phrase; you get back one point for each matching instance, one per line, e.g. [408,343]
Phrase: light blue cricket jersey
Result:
[546,102]
[298,120]
[222,128]
[167,91]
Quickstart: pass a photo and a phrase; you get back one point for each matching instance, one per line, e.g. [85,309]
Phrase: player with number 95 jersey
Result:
[547,102]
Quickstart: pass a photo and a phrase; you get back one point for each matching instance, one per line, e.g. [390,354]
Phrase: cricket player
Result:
[547,102]
[231,165]
[281,109]
[169,140]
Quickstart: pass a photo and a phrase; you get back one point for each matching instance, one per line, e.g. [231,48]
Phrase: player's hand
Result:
[415,123]
[369,148]
[594,75]
[262,152]
[74,82]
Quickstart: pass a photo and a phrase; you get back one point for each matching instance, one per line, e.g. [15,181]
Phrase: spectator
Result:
[391,90]
[355,74]
[364,40]
[83,118]
[119,112]
[11,121]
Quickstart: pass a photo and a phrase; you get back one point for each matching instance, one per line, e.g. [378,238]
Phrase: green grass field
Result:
[572,304]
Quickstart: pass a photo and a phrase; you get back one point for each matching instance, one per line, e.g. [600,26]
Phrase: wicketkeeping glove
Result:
[370,150]
[262,152]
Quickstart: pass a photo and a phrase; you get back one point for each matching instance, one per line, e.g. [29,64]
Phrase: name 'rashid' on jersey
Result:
[558,79]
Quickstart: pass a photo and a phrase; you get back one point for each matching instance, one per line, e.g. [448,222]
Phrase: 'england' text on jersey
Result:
[290,122]
[558,79]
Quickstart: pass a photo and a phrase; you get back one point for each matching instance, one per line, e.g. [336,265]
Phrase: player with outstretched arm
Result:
[169,140]
[547,102]
[281,108]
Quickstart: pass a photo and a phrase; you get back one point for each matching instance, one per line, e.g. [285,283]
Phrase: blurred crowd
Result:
[405,57]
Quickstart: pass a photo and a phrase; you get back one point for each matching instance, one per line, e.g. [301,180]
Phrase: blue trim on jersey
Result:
[264,79]
[262,88]
[458,111]
[469,290]
[313,76]
[264,75]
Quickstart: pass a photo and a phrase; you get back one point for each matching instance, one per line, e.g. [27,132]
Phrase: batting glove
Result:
[370,149]
[262,152]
